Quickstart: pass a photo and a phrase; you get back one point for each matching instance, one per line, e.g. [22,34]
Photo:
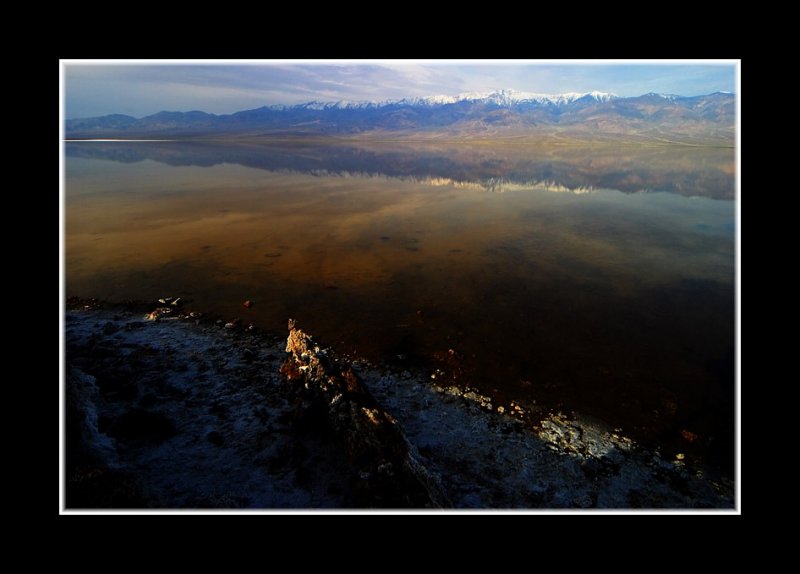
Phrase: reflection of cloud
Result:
[501,185]
[492,185]
[687,171]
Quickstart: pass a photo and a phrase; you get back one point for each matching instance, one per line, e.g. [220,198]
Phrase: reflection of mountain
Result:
[691,171]
[592,116]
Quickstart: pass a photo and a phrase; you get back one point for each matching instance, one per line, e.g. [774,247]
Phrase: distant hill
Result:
[506,113]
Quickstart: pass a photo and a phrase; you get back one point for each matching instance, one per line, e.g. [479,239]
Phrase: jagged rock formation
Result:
[389,472]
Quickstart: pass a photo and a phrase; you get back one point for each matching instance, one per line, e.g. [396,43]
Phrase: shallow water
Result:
[546,271]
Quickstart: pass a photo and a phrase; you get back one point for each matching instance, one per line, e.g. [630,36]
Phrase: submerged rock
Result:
[389,472]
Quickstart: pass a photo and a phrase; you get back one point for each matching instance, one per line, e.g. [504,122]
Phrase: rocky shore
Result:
[165,409]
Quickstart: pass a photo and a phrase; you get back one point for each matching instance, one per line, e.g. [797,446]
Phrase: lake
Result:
[599,279]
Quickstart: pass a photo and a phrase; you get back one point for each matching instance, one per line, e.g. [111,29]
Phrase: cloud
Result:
[138,90]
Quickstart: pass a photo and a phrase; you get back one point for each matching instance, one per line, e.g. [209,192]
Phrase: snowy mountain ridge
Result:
[504,98]
[475,114]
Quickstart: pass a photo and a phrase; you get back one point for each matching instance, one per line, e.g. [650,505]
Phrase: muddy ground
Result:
[180,412]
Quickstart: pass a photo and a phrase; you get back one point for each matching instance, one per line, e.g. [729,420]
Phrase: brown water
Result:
[567,288]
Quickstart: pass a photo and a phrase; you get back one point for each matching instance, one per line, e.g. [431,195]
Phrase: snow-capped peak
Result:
[497,97]
[510,97]
[668,97]
[438,100]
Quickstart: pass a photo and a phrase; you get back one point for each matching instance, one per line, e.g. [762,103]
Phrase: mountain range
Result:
[505,113]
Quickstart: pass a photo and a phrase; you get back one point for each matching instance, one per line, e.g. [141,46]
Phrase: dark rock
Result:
[215,438]
[110,328]
[218,409]
[127,391]
[142,425]
[592,468]
[332,397]
[302,477]
[86,442]
[97,486]
[148,400]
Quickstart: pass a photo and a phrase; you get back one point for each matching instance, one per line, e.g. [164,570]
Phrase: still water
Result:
[597,279]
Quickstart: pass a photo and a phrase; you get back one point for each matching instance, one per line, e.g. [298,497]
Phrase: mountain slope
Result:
[504,113]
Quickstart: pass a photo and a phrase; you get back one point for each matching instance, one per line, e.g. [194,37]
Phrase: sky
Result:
[139,89]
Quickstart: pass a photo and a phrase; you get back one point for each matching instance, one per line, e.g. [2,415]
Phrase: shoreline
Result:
[545,140]
[185,412]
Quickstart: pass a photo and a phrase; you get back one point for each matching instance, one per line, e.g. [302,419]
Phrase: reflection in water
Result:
[613,304]
[692,171]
